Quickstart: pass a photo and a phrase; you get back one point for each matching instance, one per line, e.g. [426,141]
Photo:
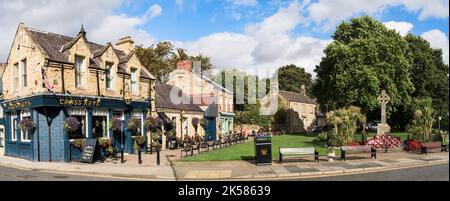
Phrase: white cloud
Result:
[329,13]
[265,45]
[152,12]
[438,40]
[401,27]
[245,2]
[66,16]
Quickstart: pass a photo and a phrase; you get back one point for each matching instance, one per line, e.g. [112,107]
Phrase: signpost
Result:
[91,151]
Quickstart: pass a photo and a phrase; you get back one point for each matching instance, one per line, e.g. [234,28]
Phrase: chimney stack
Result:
[302,90]
[125,44]
[185,65]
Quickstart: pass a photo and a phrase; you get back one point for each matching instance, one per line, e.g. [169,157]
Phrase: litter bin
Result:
[263,150]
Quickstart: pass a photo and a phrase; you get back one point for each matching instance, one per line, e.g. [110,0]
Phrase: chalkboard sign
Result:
[90,151]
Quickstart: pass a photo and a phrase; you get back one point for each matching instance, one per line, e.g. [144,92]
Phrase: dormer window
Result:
[79,71]
[109,75]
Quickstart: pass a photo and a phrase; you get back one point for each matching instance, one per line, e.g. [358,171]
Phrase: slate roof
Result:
[296,97]
[163,99]
[56,45]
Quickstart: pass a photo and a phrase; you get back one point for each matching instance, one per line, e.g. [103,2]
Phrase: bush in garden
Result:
[344,122]
[423,120]
[412,145]
[323,136]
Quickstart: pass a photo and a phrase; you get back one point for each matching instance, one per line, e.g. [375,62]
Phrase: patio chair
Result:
[204,146]
[210,144]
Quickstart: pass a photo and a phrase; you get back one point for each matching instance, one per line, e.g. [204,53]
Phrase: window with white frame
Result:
[23,65]
[2,137]
[138,115]
[134,89]
[14,126]
[25,134]
[79,71]
[16,77]
[109,75]
[100,122]
[80,115]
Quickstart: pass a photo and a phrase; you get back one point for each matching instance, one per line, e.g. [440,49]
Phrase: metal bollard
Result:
[157,157]
[139,157]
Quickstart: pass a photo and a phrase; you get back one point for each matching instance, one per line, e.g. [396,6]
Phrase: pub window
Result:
[80,114]
[2,138]
[25,135]
[16,77]
[109,75]
[23,64]
[79,71]
[14,126]
[100,123]
[133,81]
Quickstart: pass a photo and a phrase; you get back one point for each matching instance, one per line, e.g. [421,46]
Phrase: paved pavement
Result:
[14,174]
[171,169]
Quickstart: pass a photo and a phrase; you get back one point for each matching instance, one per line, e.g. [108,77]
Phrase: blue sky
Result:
[246,34]
[204,17]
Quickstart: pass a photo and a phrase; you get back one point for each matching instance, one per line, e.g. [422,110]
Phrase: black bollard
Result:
[139,157]
[157,157]
[121,156]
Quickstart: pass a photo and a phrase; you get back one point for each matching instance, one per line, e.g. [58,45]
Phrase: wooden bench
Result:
[431,145]
[299,151]
[187,148]
[358,148]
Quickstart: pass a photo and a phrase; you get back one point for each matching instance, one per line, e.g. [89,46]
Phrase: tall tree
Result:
[364,58]
[429,73]
[162,58]
[291,77]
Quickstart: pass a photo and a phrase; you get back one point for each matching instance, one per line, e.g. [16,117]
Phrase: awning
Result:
[165,118]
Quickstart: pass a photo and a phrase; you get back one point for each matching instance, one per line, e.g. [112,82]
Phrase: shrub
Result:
[412,145]
[323,136]
[104,142]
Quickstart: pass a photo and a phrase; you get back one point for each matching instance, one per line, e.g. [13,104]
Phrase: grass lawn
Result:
[245,151]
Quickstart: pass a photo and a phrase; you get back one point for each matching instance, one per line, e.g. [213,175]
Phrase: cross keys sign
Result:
[383,99]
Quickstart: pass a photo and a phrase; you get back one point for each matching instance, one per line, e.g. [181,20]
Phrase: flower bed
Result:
[383,141]
[412,145]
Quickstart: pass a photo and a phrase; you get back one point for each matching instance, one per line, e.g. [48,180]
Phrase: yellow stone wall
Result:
[36,59]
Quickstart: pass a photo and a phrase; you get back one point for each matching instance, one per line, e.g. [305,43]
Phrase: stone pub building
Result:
[49,77]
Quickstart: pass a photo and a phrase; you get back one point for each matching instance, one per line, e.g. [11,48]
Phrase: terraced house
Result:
[50,77]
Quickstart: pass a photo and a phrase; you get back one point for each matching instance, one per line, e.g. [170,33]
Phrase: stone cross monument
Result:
[383,127]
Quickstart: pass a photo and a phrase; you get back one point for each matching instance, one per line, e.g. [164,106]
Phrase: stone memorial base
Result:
[383,129]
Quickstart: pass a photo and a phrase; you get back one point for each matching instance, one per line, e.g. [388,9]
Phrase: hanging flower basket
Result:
[115,124]
[71,124]
[27,125]
[140,140]
[134,124]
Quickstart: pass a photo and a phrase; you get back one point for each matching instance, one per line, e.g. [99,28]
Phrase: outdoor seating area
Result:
[205,145]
